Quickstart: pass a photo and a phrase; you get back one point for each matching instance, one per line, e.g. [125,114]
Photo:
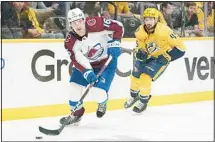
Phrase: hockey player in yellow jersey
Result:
[157,46]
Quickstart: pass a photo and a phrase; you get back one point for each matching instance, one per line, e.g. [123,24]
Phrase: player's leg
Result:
[101,97]
[75,95]
[77,83]
[100,90]
[152,70]
[135,85]
[144,94]
[134,91]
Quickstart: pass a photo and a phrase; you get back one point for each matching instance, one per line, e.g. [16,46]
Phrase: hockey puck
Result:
[39,137]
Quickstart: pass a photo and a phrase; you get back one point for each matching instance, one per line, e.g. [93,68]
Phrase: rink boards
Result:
[35,75]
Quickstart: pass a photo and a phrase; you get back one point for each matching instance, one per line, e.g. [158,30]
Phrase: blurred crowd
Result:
[48,19]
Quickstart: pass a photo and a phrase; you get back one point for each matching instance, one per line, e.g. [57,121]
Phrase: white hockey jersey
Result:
[90,51]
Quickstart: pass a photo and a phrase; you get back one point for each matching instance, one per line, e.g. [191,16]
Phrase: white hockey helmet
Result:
[75,14]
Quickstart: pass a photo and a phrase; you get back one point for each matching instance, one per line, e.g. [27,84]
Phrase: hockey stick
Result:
[58,131]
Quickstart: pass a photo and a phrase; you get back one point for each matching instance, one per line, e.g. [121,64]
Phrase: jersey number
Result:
[173,35]
[107,22]
[68,38]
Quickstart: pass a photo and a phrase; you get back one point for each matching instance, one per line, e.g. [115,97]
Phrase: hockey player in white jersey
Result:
[89,47]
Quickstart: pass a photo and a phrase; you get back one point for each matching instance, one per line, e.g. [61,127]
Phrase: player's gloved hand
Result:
[90,76]
[114,48]
[164,59]
[100,81]
[141,56]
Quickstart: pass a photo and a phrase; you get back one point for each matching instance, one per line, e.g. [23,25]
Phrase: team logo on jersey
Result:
[91,22]
[95,52]
[152,47]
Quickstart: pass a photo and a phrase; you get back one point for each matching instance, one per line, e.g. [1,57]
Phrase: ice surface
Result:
[193,121]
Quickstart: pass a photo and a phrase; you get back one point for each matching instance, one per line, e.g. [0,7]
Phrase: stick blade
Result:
[49,132]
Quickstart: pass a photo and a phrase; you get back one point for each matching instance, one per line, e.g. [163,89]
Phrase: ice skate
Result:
[75,118]
[141,104]
[101,110]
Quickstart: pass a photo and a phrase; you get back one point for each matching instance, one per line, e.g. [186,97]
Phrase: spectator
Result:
[133,7]
[43,12]
[211,17]
[122,10]
[200,4]
[104,8]
[77,4]
[213,5]
[190,22]
[59,7]
[10,26]
[92,8]
[57,22]
[166,10]
[200,15]
[130,21]
[148,5]
[40,6]
[28,21]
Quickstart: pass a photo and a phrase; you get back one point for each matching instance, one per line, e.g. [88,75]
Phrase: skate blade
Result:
[129,106]
[76,124]
[136,114]
[140,113]
[73,124]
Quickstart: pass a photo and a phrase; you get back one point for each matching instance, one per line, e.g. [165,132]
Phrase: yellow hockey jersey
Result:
[163,39]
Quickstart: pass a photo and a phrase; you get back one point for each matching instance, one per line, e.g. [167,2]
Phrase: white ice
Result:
[193,121]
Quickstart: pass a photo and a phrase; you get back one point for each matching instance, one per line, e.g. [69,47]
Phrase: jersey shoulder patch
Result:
[70,41]
[94,24]
[91,22]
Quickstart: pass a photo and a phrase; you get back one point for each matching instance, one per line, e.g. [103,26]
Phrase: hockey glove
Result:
[176,53]
[164,59]
[90,76]
[114,48]
[141,56]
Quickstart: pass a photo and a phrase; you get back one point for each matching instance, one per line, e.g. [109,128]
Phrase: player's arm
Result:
[176,51]
[177,46]
[140,52]
[82,64]
[118,30]
[78,59]
[33,19]
[140,44]
[115,26]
